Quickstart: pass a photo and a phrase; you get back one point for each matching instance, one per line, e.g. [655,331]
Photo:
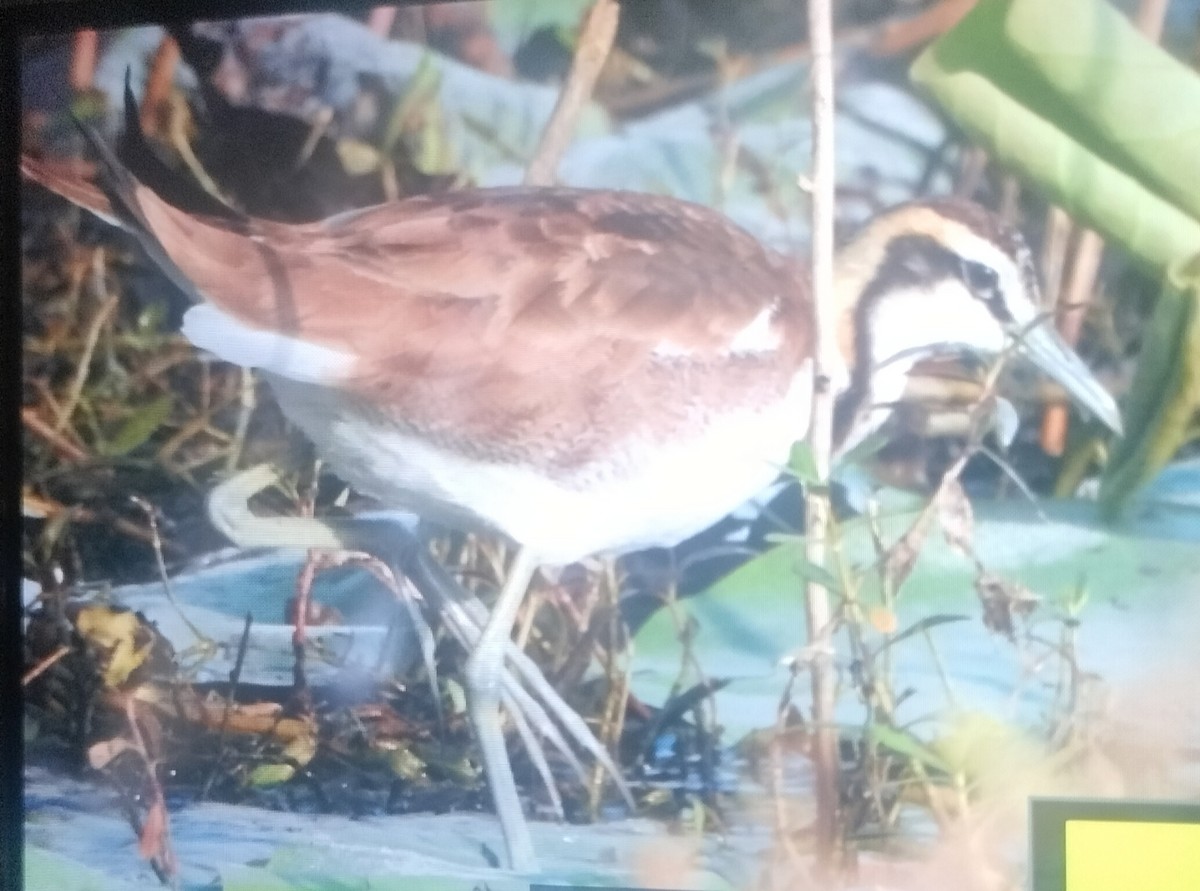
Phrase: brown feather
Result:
[505,316]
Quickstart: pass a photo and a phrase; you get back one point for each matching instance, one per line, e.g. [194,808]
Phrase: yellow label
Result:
[1110,855]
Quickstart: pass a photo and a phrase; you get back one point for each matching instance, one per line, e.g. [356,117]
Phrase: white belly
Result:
[643,497]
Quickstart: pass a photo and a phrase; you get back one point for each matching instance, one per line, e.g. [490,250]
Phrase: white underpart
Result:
[230,339]
[921,320]
[649,494]
[911,324]
[761,335]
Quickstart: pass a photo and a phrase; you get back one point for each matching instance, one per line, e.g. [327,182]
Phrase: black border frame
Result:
[1048,819]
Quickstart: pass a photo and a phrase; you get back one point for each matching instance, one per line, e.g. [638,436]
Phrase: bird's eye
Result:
[982,279]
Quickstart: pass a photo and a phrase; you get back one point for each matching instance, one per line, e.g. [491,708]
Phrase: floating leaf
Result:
[746,624]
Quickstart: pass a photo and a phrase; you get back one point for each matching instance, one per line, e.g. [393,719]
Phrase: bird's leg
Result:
[485,676]
[463,614]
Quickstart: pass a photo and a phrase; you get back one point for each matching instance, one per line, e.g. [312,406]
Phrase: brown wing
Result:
[522,297]
[72,180]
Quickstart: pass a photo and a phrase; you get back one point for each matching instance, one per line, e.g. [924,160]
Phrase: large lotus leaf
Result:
[1034,126]
[1137,576]
[1142,104]
[47,870]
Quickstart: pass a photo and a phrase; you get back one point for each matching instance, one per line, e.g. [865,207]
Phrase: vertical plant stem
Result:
[85,47]
[817,509]
[596,39]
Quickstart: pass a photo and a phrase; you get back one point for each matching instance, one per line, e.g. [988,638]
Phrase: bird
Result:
[581,371]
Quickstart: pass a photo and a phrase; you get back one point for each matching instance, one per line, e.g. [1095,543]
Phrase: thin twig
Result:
[206,643]
[381,19]
[63,447]
[595,41]
[43,665]
[817,507]
[160,79]
[85,47]
[108,303]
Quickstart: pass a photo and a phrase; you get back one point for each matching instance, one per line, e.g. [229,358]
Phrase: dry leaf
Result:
[956,517]
[121,642]
[1003,602]
[102,753]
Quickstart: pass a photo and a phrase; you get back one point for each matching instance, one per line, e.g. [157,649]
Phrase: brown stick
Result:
[159,79]
[596,39]
[57,440]
[909,33]
[44,665]
[85,46]
[381,19]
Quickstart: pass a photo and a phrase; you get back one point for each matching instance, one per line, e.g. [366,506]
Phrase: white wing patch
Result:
[230,339]
[761,335]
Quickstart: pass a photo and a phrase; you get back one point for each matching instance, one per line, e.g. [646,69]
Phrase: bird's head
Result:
[941,277]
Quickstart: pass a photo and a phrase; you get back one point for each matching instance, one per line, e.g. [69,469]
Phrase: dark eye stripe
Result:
[984,282]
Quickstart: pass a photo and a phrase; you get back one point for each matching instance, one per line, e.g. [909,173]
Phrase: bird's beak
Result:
[1050,353]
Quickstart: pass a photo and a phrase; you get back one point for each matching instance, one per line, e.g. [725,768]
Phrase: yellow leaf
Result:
[119,639]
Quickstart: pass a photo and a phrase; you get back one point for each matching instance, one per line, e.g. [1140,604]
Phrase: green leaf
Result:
[808,571]
[267,775]
[1166,390]
[803,465]
[1140,103]
[999,82]
[413,106]
[139,427]
[904,743]
[924,624]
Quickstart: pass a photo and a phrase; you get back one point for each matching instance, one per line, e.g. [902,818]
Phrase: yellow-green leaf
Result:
[1029,122]
[139,427]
